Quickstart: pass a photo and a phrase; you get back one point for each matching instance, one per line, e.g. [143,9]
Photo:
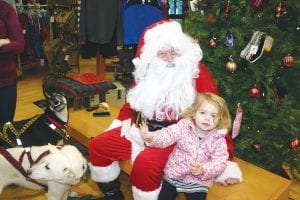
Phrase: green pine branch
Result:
[270,120]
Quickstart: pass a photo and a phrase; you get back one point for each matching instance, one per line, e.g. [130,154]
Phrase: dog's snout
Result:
[29,171]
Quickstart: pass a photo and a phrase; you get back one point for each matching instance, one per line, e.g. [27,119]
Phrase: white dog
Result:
[57,168]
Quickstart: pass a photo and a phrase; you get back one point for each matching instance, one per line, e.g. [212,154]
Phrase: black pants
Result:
[8,100]
[168,192]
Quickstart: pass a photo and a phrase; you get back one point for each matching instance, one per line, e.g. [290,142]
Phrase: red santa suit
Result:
[162,91]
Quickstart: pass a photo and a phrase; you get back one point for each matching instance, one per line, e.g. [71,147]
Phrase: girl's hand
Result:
[4,42]
[196,169]
[145,134]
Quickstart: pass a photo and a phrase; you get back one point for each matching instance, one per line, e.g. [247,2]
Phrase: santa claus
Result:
[167,78]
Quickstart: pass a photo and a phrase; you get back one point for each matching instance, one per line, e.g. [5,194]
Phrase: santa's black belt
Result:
[153,125]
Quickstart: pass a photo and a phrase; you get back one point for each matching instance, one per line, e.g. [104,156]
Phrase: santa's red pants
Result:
[147,168]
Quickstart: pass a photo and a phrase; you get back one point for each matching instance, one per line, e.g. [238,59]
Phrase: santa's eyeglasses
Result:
[168,54]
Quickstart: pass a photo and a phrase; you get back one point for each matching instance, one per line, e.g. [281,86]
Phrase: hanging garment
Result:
[100,27]
[99,20]
[137,15]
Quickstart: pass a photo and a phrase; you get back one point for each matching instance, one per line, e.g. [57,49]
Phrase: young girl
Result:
[200,152]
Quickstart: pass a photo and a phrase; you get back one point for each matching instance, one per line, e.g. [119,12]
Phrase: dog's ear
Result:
[68,173]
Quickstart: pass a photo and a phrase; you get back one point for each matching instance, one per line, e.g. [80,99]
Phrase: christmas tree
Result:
[252,49]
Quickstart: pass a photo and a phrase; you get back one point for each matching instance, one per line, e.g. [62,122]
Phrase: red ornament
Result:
[288,61]
[256,146]
[257,4]
[295,144]
[227,10]
[280,9]
[254,92]
[212,42]
[209,17]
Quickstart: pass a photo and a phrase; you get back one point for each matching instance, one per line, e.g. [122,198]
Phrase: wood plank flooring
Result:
[30,90]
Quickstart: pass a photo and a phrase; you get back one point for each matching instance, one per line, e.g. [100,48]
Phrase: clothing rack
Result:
[31,6]
[22,8]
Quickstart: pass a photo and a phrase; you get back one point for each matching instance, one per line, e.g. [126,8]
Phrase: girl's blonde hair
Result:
[223,115]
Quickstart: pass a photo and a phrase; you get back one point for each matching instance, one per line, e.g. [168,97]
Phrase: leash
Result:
[18,165]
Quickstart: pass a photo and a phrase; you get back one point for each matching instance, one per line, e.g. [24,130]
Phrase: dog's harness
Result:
[18,164]
[57,127]
[10,127]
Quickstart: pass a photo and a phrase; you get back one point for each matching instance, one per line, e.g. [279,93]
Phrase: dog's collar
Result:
[18,164]
[52,116]
[56,123]
[62,132]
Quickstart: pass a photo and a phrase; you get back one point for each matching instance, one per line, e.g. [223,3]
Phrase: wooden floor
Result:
[30,90]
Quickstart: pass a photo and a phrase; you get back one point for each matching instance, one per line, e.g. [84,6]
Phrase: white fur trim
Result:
[135,150]
[168,27]
[232,170]
[115,123]
[105,174]
[142,195]
[126,124]
[131,133]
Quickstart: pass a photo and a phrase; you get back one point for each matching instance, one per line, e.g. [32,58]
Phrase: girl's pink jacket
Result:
[210,151]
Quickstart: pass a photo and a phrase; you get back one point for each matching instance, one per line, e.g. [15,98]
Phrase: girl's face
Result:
[206,118]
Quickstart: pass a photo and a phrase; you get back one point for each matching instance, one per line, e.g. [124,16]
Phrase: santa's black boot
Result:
[111,190]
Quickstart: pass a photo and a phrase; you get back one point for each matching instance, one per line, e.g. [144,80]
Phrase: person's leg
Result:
[147,170]
[8,101]
[167,192]
[105,152]
[195,196]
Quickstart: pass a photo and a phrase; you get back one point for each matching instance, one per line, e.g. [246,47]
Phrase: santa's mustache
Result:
[166,64]
[170,65]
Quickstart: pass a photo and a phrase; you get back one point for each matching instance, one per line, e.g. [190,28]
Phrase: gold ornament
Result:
[231,66]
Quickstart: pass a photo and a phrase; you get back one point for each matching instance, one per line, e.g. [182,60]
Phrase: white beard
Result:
[163,91]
